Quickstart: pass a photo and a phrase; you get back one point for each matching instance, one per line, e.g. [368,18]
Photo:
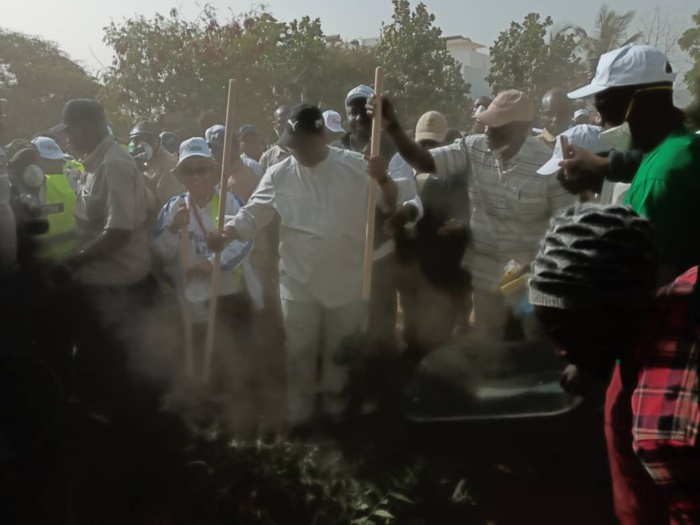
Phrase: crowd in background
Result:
[126,233]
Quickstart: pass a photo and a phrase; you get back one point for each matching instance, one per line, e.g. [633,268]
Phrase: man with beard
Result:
[511,204]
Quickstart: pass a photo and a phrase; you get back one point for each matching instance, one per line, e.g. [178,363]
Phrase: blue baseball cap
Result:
[360,91]
[215,134]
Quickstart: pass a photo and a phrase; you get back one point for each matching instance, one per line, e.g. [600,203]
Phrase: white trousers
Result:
[314,332]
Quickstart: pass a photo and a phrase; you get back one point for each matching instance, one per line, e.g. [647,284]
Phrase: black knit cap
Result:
[593,256]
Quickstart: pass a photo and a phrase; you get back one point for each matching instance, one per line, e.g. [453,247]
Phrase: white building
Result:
[475,65]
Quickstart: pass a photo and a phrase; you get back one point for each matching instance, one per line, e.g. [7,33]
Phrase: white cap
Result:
[194,147]
[584,136]
[360,91]
[631,65]
[49,149]
[215,131]
[334,121]
[582,113]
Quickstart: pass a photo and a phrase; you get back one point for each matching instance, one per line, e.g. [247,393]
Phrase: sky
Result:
[77,25]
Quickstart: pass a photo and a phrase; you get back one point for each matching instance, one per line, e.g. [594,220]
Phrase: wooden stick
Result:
[216,271]
[372,194]
[186,307]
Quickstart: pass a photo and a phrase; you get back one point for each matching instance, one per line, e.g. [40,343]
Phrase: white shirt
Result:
[253,165]
[613,193]
[405,180]
[323,212]
[166,246]
[511,204]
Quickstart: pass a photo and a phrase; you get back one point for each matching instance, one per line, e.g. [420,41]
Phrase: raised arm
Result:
[417,157]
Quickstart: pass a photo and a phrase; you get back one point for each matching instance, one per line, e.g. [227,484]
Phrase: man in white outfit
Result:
[320,194]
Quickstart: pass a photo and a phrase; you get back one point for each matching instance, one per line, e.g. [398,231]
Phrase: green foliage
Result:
[269,481]
[37,79]
[610,32]
[690,43]
[166,64]
[524,58]
[420,73]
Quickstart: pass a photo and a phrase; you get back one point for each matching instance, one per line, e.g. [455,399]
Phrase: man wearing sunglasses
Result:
[633,89]
[195,214]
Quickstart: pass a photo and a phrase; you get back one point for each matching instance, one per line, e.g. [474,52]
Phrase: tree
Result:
[690,43]
[37,79]
[420,73]
[528,58]
[610,32]
[166,65]
[660,30]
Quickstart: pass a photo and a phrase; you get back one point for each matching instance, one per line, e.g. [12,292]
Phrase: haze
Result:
[77,25]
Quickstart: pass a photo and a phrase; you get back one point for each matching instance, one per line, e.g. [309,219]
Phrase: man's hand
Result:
[202,269]
[180,220]
[389,119]
[217,242]
[378,168]
[401,217]
[582,170]
[452,227]
[579,160]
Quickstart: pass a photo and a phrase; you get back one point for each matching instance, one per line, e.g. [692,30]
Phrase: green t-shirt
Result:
[666,190]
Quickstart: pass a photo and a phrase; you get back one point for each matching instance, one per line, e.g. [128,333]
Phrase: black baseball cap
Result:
[78,111]
[304,121]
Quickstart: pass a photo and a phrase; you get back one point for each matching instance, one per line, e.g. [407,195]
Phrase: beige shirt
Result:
[160,178]
[323,212]
[274,155]
[511,204]
[112,195]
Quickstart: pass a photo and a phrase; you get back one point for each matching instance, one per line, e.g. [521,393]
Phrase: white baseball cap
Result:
[584,136]
[49,149]
[631,65]
[582,113]
[194,147]
[334,121]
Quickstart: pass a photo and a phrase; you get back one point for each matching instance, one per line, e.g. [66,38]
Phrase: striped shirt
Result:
[511,204]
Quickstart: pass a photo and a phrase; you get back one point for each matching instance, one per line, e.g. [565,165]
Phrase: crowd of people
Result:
[596,206]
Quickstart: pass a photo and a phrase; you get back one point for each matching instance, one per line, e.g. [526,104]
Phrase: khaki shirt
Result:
[112,195]
[274,155]
[160,178]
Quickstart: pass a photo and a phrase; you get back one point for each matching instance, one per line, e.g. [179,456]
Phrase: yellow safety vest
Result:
[237,272]
[61,240]
[74,164]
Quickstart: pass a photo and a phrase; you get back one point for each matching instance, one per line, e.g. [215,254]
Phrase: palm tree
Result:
[610,33]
